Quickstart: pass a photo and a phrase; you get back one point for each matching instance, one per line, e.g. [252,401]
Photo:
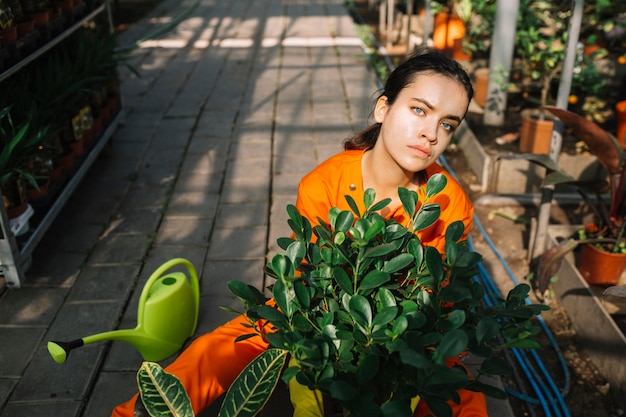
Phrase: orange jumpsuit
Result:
[212,362]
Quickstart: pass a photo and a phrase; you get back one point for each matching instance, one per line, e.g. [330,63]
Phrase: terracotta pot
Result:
[599,267]
[78,147]
[13,212]
[25,27]
[481,83]
[620,110]
[66,162]
[536,133]
[34,195]
[9,35]
[457,51]
[448,28]
[42,18]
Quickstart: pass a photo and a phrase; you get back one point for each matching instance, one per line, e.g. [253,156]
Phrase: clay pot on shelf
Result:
[448,28]
[8,36]
[536,133]
[25,27]
[41,18]
[599,267]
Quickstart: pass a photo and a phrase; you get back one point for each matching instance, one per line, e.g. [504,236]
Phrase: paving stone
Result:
[111,389]
[19,344]
[141,221]
[113,282]
[6,387]
[56,408]
[143,197]
[196,204]
[242,215]
[237,244]
[119,248]
[46,380]
[218,273]
[31,306]
[184,231]
[80,319]
[202,183]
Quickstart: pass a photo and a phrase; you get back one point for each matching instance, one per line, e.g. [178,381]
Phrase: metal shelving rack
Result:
[14,258]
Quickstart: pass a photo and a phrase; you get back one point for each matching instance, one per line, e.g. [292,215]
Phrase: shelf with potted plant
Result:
[58,88]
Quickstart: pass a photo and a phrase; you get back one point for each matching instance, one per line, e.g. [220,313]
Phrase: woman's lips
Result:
[421,151]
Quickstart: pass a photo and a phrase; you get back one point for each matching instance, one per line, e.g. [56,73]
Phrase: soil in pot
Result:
[599,267]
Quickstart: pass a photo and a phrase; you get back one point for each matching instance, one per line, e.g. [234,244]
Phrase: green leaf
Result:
[434,263]
[408,199]
[400,326]
[435,185]
[374,279]
[452,343]
[374,229]
[486,329]
[344,221]
[386,298]
[385,316]
[369,196]
[295,217]
[162,393]
[380,250]
[368,368]
[272,314]
[361,311]
[254,385]
[397,263]
[455,231]
[246,292]
[396,408]
[380,205]
[342,391]
[412,358]
[304,294]
[353,205]
[427,216]
[496,366]
[343,280]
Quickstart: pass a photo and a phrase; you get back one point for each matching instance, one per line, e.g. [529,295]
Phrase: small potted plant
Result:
[540,47]
[369,316]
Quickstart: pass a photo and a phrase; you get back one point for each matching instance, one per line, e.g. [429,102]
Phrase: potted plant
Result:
[369,316]
[606,232]
[540,47]
[19,142]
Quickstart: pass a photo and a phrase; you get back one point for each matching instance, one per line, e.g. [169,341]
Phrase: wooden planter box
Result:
[518,176]
[603,340]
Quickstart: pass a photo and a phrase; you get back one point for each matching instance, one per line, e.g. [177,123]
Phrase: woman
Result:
[422,104]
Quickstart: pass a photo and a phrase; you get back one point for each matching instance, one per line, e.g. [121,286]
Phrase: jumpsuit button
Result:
[352,187]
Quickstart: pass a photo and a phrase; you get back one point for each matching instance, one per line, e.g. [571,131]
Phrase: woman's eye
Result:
[418,110]
[447,126]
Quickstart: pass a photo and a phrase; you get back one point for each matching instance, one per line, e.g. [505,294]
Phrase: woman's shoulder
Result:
[336,165]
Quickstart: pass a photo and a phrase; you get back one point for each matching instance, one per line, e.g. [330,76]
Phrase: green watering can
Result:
[167,316]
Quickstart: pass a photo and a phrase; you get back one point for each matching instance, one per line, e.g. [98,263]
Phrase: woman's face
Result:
[419,125]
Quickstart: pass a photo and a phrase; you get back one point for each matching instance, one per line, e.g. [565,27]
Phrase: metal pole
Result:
[540,242]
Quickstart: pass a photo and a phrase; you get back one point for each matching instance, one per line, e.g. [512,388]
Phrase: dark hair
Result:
[422,60]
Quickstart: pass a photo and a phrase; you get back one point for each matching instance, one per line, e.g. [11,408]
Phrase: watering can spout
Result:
[167,316]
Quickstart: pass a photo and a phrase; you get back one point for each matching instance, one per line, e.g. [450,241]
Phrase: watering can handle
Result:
[158,273]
